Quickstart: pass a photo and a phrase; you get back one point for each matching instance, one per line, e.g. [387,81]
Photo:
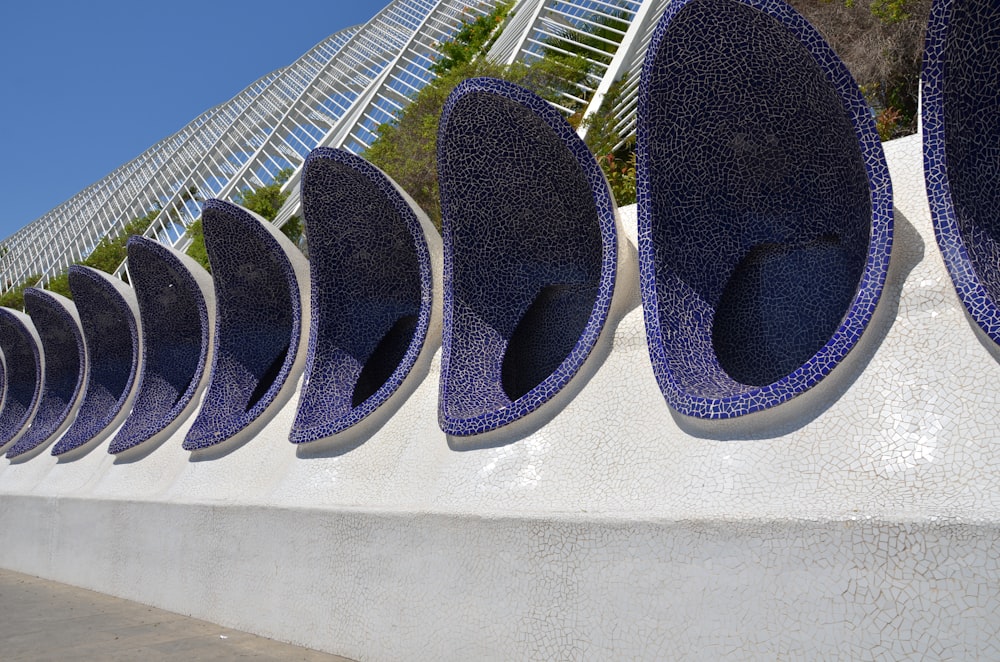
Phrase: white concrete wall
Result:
[866,528]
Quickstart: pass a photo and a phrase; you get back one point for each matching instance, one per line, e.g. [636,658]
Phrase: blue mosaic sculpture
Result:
[961,133]
[765,211]
[58,325]
[530,249]
[258,353]
[108,311]
[372,288]
[22,354]
[174,295]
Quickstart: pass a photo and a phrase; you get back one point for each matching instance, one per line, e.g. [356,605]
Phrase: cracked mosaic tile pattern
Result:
[58,325]
[23,376]
[765,220]
[961,125]
[258,323]
[371,292]
[111,333]
[175,340]
[530,250]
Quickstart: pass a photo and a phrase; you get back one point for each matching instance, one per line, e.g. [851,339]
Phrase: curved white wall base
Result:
[866,530]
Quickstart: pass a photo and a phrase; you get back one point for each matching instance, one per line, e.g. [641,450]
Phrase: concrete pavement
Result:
[44,620]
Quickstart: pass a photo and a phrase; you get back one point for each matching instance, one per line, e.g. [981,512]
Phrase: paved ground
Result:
[43,620]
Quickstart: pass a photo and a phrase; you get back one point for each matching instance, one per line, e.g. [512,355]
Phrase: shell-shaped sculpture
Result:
[261,284]
[765,210]
[22,354]
[372,291]
[960,100]
[530,251]
[176,307]
[109,315]
[58,324]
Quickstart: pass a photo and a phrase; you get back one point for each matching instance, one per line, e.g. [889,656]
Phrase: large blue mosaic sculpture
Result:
[109,314]
[372,287]
[530,250]
[961,132]
[22,355]
[176,307]
[261,284]
[765,212]
[58,324]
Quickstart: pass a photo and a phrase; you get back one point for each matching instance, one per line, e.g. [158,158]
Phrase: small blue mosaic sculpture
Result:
[22,354]
[961,132]
[765,210]
[261,284]
[58,325]
[530,254]
[372,292]
[109,314]
[176,307]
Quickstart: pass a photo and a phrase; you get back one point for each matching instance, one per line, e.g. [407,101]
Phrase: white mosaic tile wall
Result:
[862,524]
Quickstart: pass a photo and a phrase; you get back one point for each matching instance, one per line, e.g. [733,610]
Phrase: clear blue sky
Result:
[87,86]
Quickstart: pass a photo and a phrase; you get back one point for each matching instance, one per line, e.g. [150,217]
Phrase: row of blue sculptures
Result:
[765,231]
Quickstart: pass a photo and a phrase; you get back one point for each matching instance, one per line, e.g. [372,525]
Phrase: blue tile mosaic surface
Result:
[371,292]
[961,132]
[175,337]
[765,212]
[258,323]
[111,333]
[23,360]
[65,362]
[530,252]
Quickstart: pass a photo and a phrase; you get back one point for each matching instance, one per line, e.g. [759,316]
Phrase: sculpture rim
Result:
[871,284]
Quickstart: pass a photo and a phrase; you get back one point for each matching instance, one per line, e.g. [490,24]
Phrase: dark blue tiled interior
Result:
[65,359]
[23,376]
[111,333]
[258,323]
[530,254]
[764,206]
[371,292]
[175,337]
[961,126]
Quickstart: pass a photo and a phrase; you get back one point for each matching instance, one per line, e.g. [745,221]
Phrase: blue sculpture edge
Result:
[18,428]
[122,441]
[74,437]
[300,435]
[255,228]
[873,278]
[968,286]
[606,216]
[34,437]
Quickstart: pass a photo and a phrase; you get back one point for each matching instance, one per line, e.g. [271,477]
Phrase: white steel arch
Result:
[337,94]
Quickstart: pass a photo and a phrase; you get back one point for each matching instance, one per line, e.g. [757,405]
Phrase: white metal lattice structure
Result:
[344,86]
[335,95]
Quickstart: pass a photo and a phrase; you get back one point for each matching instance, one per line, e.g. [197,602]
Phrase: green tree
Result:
[14,297]
[265,200]
[60,284]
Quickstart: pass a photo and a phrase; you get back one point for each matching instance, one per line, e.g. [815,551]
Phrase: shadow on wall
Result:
[907,252]
[765,212]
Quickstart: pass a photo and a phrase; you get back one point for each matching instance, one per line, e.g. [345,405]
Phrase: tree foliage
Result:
[881,42]
[473,38]
[14,297]
[266,201]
